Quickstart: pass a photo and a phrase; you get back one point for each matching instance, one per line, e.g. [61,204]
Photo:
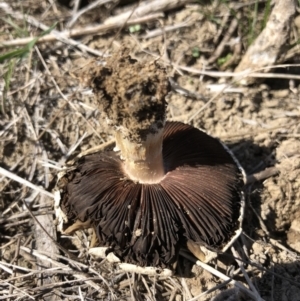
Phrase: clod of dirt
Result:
[281,200]
[131,93]
[293,236]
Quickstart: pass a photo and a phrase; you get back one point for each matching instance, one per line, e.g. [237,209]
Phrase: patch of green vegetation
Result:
[294,44]
[267,12]
[191,81]
[135,28]
[223,60]
[7,78]
[252,21]
[196,52]
[19,31]
[7,75]
[256,25]
[212,15]
[256,16]
[21,52]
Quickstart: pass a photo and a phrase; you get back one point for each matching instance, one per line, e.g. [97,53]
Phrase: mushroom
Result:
[164,186]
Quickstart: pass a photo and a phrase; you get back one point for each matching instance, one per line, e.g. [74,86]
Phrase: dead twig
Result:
[62,94]
[91,6]
[45,243]
[78,275]
[244,74]
[22,181]
[232,27]
[226,278]
[160,31]
[57,35]
[262,175]
[146,8]
[66,35]
[240,263]
[219,286]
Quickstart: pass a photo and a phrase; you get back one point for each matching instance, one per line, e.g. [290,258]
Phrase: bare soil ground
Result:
[47,117]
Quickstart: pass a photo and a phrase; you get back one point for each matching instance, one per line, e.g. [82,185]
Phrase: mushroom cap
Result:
[199,199]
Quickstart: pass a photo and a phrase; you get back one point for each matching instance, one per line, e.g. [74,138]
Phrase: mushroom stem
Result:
[143,161]
[132,95]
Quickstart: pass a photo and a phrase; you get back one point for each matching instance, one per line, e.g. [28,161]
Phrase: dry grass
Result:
[46,118]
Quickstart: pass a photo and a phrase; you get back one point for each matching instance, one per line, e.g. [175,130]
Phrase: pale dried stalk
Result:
[55,34]
[65,36]
[239,262]
[160,31]
[91,6]
[97,148]
[43,242]
[143,13]
[23,292]
[22,181]
[62,94]
[144,9]
[49,260]
[232,27]
[262,175]
[245,74]
[219,286]
[226,278]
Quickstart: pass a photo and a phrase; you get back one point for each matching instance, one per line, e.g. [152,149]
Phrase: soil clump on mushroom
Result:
[131,93]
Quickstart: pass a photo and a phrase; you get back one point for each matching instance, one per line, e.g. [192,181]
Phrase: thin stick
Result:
[262,175]
[69,260]
[65,36]
[282,247]
[146,8]
[97,148]
[160,31]
[226,278]
[232,27]
[9,125]
[19,290]
[239,262]
[240,76]
[16,178]
[61,93]
[186,288]
[207,104]
[78,275]
[147,287]
[211,290]
[243,74]
[6,269]
[76,4]
[54,33]
[86,9]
